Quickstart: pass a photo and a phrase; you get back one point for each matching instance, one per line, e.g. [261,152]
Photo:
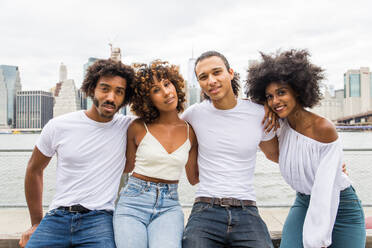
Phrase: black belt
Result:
[226,202]
[75,209]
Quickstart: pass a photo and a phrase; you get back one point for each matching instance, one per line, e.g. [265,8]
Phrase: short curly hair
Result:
[108,67]
[142,105]
[234,82]
[292,67]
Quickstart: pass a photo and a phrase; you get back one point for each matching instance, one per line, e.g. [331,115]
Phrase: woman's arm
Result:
[192,171]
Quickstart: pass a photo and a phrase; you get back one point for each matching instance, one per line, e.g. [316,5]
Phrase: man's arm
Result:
[133,129]
[34,191]
[271,149]
[192,171]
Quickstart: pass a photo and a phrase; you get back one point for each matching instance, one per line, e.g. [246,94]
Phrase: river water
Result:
[270,187]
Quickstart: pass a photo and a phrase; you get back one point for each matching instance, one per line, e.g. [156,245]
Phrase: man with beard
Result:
[90,147]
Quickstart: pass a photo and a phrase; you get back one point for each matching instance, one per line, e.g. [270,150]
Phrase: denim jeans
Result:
[213,226]
[148,215]
[60,228]
[348,231]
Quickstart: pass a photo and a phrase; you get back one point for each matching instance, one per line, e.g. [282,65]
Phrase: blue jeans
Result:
[148,215]
[348,231]
[60,228]
[213,226]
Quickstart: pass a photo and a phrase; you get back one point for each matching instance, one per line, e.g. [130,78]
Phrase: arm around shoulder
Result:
[192,171]
[271,149]
[133,129]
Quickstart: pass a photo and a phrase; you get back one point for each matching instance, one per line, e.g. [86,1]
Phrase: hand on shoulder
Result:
[324,130]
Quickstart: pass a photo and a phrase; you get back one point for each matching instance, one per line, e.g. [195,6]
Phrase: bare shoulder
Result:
[324,130]
[136,126]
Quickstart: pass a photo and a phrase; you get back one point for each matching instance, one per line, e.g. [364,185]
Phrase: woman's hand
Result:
[270,120]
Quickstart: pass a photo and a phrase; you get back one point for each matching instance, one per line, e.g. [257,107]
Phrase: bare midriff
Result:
[152,179]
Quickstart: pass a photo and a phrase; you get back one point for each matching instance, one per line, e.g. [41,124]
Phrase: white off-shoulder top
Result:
[313,168]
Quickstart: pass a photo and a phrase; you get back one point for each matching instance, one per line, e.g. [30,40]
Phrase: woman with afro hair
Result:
[159,145]
[326,211]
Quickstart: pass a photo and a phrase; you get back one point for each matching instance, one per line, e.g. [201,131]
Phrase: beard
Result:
[106,116]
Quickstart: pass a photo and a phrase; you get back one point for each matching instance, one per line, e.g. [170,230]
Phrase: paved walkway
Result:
[13,221]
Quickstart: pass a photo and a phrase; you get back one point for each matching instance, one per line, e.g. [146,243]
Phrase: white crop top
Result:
[153,160]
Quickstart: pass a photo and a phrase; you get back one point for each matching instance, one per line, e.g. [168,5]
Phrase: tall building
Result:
[3,102]
[67,100]
[357,91]
[330,107]
[88,100]
[192,87]
[66,95]
[115,53]
[34,109]
[62,72]
[13,84]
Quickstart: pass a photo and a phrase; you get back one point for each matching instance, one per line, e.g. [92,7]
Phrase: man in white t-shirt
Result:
[90,147]
[229,131]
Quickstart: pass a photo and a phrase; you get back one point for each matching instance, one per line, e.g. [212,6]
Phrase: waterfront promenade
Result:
[13,221]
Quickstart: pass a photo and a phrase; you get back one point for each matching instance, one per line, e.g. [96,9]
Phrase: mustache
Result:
[109,103]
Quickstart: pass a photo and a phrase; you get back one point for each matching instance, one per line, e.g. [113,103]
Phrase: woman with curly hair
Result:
[160,144]
[326,211]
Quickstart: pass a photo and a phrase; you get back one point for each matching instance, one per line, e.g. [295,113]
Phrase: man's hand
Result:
[344,168]
[270,120]
[27,235]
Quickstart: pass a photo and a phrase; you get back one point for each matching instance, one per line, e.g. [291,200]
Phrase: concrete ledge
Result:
[9,241]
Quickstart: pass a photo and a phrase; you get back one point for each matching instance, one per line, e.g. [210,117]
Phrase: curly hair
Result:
[108,67]
[142,105]
[234,82]
[292,67]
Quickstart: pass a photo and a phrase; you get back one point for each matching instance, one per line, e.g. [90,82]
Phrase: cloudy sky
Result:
[38,35]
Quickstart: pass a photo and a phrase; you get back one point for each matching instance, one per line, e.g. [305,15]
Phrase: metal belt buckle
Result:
[226,202]
[71,210]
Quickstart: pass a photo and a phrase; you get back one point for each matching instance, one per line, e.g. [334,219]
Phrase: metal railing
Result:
[271,190]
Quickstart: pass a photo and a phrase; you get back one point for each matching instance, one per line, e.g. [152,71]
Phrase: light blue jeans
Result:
[148,215]
[349,229]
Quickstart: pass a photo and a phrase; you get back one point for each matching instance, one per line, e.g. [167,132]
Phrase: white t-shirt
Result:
[228,142]
[90,158]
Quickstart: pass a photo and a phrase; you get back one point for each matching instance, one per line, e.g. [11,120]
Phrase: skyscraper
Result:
[192,87]
[357,91]
[66,95]
[13,84]
[90,62]
[34,108]
[3,102]
[62,72]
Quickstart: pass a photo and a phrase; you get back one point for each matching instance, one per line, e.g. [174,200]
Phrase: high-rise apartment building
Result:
[3,102]
[192,86]
[34,109]
[66,95]
[13,84]
[88,100]
[357,91]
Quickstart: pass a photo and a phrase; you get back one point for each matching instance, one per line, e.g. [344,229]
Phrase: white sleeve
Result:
[268,136]
[187,114]
[45,143]
[325,196]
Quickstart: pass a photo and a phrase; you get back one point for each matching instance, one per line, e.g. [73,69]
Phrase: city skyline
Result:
[39,35]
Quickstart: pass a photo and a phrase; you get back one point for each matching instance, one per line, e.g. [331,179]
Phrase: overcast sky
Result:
[38,35]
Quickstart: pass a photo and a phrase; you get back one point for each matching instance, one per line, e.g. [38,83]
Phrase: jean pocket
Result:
[200,207]
[173,194]
[350,211]
[132,190]
[251,210]
[54,212]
